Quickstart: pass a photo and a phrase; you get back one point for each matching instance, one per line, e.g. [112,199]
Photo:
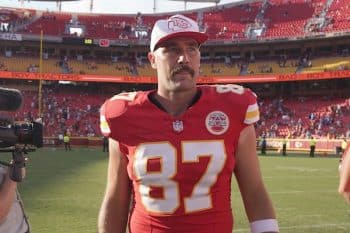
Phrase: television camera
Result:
[17,137]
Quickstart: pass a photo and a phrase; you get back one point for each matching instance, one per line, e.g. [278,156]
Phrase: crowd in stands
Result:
[266,20]
[64,110]
[3,67]
[135,65]
[76,113]
[320,117]
[64,65]
[14,18]
[76,110]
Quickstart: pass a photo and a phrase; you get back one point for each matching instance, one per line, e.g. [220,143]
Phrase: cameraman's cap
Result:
[175,26]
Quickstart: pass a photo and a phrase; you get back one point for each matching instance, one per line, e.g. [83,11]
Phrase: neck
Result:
[176,103]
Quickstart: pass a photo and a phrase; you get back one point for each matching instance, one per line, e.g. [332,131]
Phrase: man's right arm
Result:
[344,182]
[7,195]
[113,216]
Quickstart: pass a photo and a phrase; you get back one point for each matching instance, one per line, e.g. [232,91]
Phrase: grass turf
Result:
[63,192]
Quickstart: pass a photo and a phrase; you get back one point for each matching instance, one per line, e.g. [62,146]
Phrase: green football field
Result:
[62,192]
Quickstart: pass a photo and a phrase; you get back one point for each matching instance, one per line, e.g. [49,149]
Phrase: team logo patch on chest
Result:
[217,122]
[178,126]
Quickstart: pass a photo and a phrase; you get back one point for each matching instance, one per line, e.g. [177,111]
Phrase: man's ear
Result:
[151,59]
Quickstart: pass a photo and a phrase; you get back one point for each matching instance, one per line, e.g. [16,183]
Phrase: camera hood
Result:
[10,99]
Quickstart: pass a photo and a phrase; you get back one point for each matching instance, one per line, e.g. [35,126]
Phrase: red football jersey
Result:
[181,167]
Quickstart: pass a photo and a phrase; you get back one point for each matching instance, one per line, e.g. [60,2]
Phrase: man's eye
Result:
[192,49]
[174,50]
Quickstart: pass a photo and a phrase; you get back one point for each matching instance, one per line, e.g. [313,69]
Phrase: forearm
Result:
[7,195]
[344,183]
[344,174]
[262,216]
[113,218]
[260,212]
[259,208]
[247,171]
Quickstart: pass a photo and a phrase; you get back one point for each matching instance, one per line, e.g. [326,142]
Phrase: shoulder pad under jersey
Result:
[243,96]
[114,107]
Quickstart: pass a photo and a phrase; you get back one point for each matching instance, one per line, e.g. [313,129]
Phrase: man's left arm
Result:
[7,194]
[257,203]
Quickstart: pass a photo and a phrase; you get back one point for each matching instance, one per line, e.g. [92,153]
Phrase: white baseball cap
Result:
[175,26]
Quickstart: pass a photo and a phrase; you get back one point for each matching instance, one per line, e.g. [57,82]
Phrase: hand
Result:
[346,196]
[17,170]
[344,190]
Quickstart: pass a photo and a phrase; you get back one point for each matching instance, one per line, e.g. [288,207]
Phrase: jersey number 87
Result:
[200,198]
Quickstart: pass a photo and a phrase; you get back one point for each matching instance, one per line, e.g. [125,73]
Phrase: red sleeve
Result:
[252,114]
[109,112]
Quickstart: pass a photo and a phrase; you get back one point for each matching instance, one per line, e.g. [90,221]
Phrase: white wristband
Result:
[265,225]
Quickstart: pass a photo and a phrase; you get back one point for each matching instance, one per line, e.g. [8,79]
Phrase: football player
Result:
[173,150]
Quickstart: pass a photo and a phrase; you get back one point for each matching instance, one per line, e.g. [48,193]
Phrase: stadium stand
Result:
[108,26]
[49,23]
[255,38]
[230,23]
[75,108]
[300,118]
[338,16]
[286,20]
[273,18]
[92,66]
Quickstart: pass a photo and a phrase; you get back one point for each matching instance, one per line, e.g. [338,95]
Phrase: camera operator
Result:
[12,216]
[14,138]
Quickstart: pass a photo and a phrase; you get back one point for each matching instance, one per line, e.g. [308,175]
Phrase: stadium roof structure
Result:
[214,1]
[59,2]
[53,0]
[185,1]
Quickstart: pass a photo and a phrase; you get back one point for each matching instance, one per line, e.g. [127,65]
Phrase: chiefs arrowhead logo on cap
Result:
[175,26]
[178,24]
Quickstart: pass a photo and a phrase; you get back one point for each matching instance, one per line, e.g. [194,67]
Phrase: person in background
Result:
[312,147]
[284,146]
[12,216]
[344,174]
[105,144]
[344,145]
[66,140]
[173,150]
[263,145]
[60,139]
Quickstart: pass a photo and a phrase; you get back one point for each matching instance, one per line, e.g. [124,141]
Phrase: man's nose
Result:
[184,57]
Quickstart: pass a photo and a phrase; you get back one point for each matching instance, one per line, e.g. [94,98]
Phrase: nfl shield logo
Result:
[178,126]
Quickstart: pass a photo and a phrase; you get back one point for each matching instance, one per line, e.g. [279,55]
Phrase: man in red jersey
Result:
[173,150]
[344,171]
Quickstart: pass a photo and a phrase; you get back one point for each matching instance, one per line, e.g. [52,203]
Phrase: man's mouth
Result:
[182,70]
